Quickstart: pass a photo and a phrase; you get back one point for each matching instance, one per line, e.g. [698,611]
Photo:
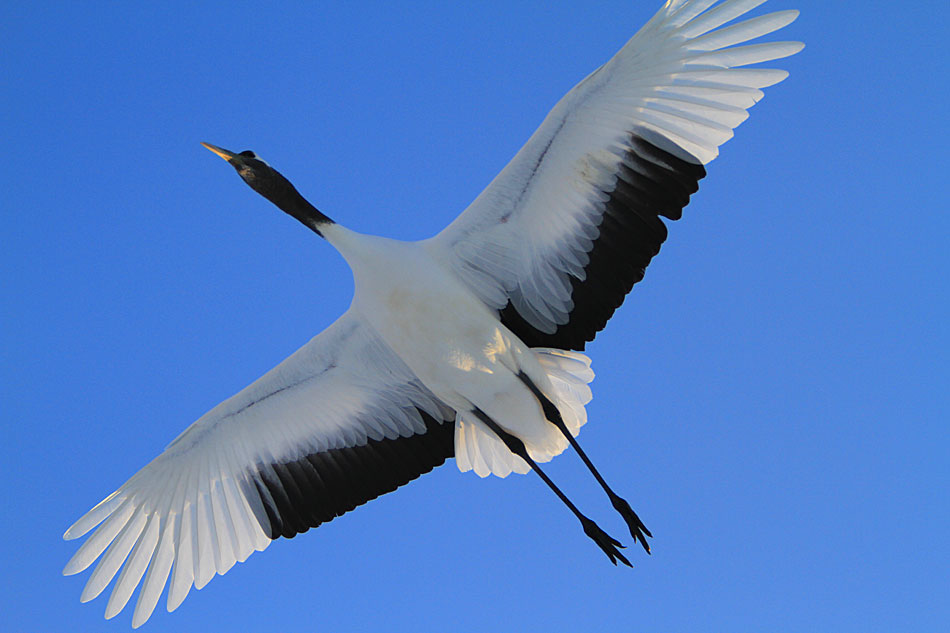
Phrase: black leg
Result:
[591,529]
[638,530]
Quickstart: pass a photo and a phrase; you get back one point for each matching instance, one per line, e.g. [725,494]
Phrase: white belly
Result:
[451,340]
[462,353]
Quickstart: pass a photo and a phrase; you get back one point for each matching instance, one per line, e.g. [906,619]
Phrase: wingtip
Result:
[75,565]
[74,531]
[112,611]
[89,593]
[787,16]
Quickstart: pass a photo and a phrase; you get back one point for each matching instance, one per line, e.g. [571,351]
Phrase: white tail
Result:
[478,449]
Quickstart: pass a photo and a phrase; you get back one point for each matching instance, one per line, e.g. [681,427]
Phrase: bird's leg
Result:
[638,530]
[591,529]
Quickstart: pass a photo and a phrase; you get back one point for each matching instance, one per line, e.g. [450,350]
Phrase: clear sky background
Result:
[773,398]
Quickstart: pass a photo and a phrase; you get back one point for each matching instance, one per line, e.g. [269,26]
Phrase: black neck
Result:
[296,205]
[285,196]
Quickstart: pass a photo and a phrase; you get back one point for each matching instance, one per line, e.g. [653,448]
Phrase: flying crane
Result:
[467,344]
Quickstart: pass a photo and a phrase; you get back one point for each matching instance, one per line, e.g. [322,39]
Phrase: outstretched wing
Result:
[560,236]
[340,422]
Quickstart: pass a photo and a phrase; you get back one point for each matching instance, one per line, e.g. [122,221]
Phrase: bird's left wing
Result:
[560,236]
[340,422]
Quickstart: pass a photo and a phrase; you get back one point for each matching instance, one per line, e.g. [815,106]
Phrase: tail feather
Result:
[478,449]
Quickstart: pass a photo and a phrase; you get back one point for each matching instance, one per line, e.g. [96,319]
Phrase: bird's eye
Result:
[248,154]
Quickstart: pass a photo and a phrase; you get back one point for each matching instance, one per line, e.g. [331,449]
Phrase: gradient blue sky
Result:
[772,398]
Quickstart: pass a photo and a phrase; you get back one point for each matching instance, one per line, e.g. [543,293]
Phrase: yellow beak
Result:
[223,153]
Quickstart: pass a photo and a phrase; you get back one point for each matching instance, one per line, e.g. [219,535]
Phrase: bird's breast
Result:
[449,338]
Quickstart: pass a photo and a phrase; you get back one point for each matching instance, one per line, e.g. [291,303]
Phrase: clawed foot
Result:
[638,531]
[604,541]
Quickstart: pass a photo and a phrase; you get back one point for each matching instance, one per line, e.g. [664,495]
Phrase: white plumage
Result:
[679,96]
[439,328]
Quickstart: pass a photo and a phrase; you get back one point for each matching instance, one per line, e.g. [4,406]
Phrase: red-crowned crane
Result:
[466,344]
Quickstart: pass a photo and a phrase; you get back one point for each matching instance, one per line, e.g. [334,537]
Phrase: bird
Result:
[466,345]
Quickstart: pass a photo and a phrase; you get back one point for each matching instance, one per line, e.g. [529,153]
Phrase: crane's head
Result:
[271,184]
[261,177]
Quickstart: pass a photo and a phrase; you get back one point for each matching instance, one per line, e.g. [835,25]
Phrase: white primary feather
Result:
[185,511]
[676,83]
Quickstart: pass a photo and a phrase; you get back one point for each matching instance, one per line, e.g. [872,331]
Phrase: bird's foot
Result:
[638,531]
[608,544]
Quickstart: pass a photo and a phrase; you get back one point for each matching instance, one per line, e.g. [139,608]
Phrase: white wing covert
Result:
[560,236]
[339,422]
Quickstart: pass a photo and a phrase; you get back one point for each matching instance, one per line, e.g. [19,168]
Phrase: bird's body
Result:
[463,345]
[447,336]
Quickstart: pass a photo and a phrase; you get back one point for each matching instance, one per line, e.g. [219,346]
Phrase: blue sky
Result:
[772,398]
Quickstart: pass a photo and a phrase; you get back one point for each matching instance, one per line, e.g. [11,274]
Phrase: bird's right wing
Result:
[560,236]
[339,422]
